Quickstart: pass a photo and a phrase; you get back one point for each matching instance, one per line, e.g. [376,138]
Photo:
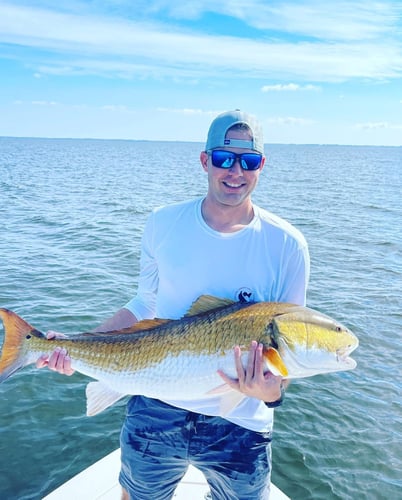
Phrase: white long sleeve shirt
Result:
[183,258]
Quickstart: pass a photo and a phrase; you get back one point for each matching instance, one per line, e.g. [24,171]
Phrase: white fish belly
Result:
[183,377]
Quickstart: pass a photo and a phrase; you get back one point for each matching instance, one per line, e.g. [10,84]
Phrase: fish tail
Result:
[16,330]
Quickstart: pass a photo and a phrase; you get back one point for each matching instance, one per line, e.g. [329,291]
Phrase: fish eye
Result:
[28,337]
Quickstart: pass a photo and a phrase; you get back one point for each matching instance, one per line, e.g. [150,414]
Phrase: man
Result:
[222,245]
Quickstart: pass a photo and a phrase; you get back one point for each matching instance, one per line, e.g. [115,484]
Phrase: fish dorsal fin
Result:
[145,324]
[207,303]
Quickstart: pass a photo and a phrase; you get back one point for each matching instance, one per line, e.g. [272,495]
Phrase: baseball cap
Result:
[223,122]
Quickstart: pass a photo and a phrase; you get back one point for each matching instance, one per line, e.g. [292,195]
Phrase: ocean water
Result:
[72,214]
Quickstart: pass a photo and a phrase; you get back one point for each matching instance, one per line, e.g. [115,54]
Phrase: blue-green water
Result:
[72,213]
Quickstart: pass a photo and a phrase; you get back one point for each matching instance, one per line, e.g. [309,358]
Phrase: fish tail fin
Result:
[275,362]
[12,354]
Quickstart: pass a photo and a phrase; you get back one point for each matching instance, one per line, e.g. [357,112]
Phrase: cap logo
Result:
[238,143]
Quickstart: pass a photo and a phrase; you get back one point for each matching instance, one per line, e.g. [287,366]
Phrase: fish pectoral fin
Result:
[229,398]
[220,389]
[100,397]
[229,401]
[275,362]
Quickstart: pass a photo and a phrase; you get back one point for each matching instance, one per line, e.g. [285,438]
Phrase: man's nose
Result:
[236,167]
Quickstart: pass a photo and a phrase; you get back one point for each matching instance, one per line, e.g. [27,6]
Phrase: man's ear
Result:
[204,160]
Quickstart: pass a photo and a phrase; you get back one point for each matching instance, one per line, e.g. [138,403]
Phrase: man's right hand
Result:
[59,361]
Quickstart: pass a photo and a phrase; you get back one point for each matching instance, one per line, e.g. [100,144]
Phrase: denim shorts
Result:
[159,441]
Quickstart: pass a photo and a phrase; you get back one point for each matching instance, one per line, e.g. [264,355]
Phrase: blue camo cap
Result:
[223,122]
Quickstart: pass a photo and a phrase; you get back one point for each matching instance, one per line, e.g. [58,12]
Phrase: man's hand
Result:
[252,380]
[59,361]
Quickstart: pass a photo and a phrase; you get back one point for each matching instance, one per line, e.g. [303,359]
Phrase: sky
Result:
[312,71]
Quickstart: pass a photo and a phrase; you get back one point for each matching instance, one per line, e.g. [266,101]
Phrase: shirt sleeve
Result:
[142,305]
[296,274]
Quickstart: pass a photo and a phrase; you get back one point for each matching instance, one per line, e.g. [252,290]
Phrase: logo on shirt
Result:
[244,295]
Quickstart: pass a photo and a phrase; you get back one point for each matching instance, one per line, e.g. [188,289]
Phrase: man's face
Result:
[234,185]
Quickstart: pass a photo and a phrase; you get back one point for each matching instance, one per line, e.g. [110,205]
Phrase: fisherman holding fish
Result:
[225,246]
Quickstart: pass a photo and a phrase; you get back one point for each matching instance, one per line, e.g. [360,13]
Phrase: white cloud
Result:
[115,107]
[290,120]
[188,111]
[44,103]
[288,87]
[378,125]
[340,20]
[124,48]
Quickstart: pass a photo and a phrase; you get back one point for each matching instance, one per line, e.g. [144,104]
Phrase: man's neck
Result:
[227,218]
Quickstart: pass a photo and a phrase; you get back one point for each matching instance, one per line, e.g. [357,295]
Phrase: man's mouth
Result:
[233,185]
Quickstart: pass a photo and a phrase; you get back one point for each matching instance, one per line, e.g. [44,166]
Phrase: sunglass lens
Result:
[250,161]
[223,159]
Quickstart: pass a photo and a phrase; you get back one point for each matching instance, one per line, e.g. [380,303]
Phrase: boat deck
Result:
[100,482]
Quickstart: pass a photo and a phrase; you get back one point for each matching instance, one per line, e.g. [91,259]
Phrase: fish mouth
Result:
[301,363]
[348,361]
[342,356]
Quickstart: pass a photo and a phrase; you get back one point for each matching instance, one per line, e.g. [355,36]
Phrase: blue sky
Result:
[313,71]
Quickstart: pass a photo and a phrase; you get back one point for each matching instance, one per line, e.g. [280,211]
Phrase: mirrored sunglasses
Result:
[226,159]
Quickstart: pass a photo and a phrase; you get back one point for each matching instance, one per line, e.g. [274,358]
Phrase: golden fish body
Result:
[179,359]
